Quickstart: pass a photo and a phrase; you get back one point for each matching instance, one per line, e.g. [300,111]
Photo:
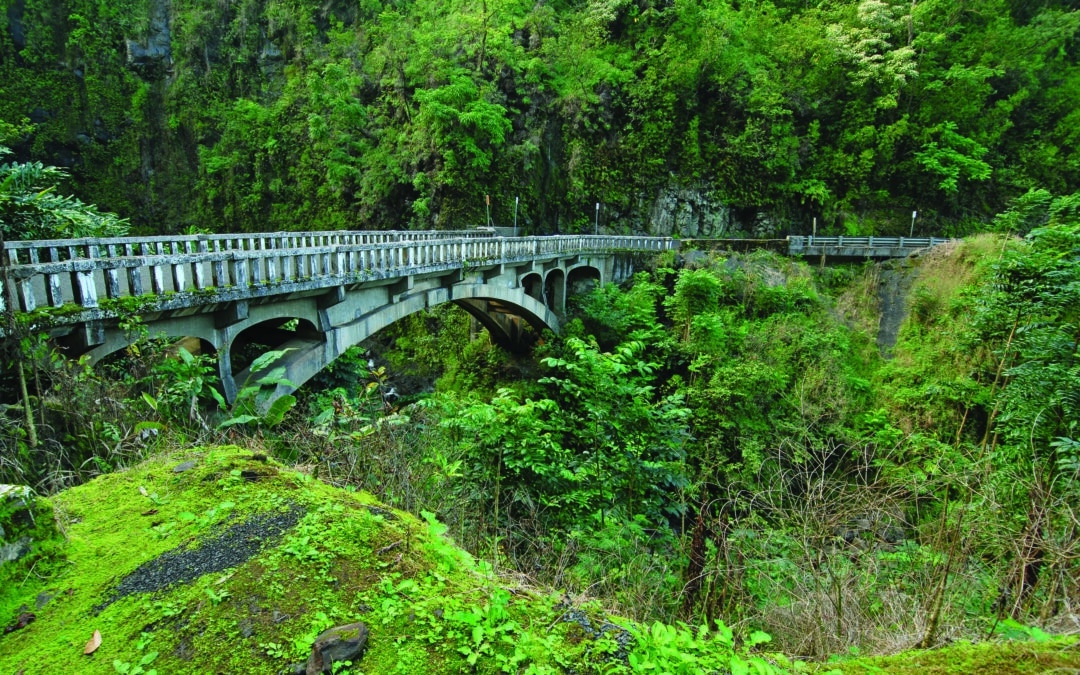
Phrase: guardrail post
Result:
[197,266]
[82,283]
[238,270]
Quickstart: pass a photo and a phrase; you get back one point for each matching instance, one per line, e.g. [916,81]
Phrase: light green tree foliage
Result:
[953,157]
[613,315]
[877,42]
[1035,304]
[599,437]
[30,207]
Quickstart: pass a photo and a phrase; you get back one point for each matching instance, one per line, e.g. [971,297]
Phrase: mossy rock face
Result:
[28,538]
[221,560]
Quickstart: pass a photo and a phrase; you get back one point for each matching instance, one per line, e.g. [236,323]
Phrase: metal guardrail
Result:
[866,242]
[203,269]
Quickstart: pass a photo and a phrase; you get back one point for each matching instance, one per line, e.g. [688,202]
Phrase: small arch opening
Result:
[533,284]
[139,359]
[582,280]
[256,340]
[555,291]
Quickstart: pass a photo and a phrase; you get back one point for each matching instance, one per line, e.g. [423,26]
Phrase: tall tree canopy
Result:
[253,115]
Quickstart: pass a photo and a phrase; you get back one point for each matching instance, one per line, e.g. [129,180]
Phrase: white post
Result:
[912,232]
[516,200]
[597,218]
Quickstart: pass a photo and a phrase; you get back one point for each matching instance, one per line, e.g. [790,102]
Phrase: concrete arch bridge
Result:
[314,293]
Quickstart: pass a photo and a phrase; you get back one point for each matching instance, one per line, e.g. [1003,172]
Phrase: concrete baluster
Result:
[198,267]
[26,294]
[272,257]
[157,275]
[134,274]
[324,261]
[53,288]
[340,263]
[179,275]
[238,270]
[83,284]
[112,279]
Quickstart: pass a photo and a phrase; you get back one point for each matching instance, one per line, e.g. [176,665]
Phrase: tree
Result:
[30,208]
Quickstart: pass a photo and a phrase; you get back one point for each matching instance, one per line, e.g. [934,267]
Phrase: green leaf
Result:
[218,398]
[758,637]
[240,419]
[278,409]
[266,359]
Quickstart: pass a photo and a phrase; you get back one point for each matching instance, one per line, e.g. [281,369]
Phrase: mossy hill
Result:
[220,560]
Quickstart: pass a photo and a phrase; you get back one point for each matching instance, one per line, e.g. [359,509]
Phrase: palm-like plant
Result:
[30,207]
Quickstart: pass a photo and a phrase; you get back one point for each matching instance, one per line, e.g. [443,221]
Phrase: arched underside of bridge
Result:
[331,323]
[502,311]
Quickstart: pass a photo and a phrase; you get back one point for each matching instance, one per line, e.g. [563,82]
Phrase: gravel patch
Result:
[229,548]
[622,637]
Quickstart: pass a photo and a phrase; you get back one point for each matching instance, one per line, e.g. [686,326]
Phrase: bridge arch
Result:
[555,290]
[533,284]
[169,346]
[501,310]
[173,329]
[270,332]
[583,278]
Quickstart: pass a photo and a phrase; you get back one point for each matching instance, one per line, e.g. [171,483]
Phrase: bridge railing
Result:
[58,250]
[83,273]
[866,242]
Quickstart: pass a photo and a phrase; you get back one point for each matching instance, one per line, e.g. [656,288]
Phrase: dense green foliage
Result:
[711,441]
[31,209]
[287,115]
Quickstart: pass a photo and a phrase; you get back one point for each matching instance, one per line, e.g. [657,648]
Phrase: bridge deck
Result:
[860,247]
[80,280]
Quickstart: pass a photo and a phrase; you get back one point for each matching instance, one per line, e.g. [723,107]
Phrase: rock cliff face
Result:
[688,212]
[151,56]
[895,281]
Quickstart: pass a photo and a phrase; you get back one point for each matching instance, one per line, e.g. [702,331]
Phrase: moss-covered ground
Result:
[429,606]
[1011,657]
